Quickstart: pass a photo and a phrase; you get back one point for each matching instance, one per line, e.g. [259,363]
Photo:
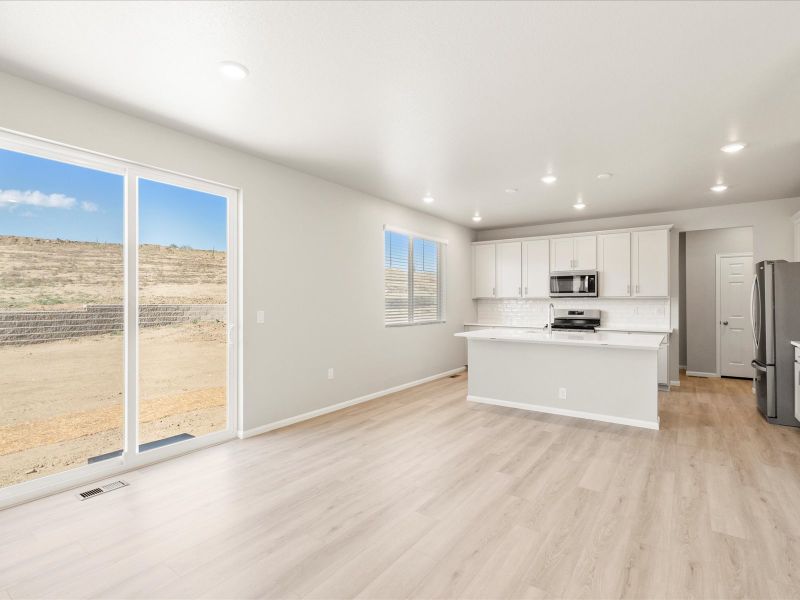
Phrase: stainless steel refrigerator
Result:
[775,313]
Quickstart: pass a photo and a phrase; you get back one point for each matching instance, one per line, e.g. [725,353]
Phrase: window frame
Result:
[441,260]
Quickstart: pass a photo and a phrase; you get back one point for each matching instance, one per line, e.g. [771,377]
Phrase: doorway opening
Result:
[715,273]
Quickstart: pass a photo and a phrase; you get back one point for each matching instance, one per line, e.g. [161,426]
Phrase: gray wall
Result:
[312,259]
[771,222]
[682,296]
[702,248]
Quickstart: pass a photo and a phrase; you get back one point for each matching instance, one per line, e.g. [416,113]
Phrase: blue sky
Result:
[395,252]
[49,199]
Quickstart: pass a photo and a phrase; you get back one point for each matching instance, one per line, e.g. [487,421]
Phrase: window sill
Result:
[388,325]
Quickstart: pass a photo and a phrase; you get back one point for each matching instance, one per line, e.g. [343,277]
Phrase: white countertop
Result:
[500,325]
[636,328]
[631,328]
[601,339]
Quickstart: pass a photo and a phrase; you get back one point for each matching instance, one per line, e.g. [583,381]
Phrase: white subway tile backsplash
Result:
[615,312]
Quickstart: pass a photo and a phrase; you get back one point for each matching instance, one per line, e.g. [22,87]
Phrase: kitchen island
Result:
[605,376]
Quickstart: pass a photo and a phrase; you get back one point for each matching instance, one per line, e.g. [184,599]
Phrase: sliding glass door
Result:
[61,317]
[117,306]
[183,313]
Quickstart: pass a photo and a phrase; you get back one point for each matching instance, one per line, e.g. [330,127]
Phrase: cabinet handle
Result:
[520,291]
[637,288]
[629,289]
[493,292]
[526,290]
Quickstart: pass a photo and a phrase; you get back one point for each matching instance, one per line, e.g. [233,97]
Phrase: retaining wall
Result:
[35,327]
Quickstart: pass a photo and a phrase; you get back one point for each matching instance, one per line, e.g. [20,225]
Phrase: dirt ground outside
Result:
[61,402]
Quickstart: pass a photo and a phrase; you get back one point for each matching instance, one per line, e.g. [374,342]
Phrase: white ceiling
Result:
[461,100]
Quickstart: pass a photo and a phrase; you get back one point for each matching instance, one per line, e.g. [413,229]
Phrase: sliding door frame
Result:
[131,458]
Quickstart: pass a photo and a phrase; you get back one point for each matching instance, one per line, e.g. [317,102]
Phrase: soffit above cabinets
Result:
[470,103]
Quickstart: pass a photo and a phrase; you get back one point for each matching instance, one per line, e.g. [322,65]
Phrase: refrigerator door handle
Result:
[757,366]
[752,307]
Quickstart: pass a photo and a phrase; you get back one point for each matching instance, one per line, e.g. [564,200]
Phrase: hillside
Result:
[58,274]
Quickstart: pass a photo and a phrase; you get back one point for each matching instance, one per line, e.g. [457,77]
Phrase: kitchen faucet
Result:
[550,317]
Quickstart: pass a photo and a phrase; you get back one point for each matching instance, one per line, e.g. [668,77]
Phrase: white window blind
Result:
[413,279]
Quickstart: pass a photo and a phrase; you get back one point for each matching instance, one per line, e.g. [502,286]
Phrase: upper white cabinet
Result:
[573,253]
[585,253]
[561,254]
[483,271]
[535,271]
[614,264]
[650,263]
[630,263]
[509,270]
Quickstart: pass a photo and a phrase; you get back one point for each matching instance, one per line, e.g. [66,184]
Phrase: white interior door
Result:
[483,276]
[509,270]
[536,269]
[735,337]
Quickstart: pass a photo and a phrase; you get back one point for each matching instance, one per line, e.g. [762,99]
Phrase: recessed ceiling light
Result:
[477,217]
[719,188]
[605,175]
[549,179]
[511,190]
[428,199]
[579,205]
[233,70]
[733,147]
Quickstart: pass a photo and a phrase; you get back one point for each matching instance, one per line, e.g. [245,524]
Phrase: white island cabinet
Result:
[605,376]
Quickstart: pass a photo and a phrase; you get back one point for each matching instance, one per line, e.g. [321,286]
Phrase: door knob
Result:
[724,322]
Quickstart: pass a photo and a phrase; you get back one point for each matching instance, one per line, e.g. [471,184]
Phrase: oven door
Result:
[578,283]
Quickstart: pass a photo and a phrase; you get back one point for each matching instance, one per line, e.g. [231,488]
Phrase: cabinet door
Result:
[614,264]
[483,271]
[650,263]
[509,270]
[585,253]
[536,269]
[561,254]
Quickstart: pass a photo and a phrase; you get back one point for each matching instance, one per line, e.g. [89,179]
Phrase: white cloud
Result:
[11,198]
[89,206]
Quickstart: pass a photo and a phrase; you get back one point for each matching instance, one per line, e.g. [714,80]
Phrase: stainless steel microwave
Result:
[573,283]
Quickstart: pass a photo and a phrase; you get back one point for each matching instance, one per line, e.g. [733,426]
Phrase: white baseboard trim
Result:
[701,374]
[579,414]
[339,406]
[675,382]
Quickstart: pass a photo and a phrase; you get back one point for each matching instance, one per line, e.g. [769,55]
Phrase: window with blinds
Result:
[412,279]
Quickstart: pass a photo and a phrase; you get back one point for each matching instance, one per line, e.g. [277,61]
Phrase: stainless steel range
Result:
[569,319]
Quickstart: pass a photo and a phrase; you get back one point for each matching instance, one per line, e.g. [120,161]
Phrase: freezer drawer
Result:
[766,391]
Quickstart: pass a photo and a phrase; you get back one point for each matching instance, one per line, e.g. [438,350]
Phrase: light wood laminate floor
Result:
[421,494]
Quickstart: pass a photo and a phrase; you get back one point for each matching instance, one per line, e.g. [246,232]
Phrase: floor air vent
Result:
[109,487]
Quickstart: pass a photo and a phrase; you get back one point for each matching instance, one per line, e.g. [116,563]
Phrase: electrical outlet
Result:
[260,316]
[330,373]
[562,393]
